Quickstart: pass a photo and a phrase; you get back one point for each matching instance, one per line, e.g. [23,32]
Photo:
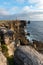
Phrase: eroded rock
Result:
[3,60]
[25,55]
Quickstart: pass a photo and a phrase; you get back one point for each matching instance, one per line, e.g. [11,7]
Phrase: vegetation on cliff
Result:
[4,49]
[10,60]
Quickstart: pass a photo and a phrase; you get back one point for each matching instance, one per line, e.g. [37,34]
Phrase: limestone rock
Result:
[3,60]
[11,48]
[25,55]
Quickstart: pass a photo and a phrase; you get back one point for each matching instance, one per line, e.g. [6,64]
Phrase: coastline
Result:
[35,28]
[37,44]
[20,28]
[13,38]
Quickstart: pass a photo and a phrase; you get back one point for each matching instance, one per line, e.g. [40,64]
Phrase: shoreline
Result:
[17,28]
[20,49]
[36,30]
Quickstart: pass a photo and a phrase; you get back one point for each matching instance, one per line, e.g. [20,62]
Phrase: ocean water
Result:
[35,28]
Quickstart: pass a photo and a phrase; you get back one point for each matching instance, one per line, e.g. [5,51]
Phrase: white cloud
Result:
[34,12]
[3,11]
[25,9]
[33,1]
[40,7]
[14,8]
[39,3]
[36,16]
[10,11]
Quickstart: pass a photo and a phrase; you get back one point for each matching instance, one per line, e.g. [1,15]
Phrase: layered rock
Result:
[25,55]
[3,60]
[11,48]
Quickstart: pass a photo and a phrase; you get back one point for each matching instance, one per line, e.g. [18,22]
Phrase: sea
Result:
[35,28]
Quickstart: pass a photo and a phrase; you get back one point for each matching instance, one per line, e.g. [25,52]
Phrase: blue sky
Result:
[9,7]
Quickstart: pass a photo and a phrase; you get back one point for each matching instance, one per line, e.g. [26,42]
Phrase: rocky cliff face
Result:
[11,48]
[3,60]
[26,55]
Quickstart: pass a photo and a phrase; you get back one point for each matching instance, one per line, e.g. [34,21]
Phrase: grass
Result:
[4,49]
[10,60]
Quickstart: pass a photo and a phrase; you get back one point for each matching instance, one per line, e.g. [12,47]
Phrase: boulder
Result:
[26,55]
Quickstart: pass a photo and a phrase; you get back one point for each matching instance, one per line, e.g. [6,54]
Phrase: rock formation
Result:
[3,60]
[13,35]
[26,55]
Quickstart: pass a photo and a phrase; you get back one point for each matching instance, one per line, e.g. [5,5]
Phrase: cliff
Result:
[3,60]
[16,47]
[26,55]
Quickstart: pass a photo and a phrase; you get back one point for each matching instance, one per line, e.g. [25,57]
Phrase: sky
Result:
[34,8]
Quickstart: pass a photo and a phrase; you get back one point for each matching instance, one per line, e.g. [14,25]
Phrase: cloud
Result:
[38,3]
[10,11]
[31,11]
[25,9]
[32,14]
[33,1]
[3,11]
[35,4]
[14,8]
[36,16]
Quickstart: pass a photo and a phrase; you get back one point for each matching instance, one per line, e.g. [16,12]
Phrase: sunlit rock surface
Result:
[25,55]
[3,60]
[11,48]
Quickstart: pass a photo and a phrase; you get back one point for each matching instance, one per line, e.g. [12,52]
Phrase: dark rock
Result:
[28,22]
[28,34]
[23,22]
[38,45]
